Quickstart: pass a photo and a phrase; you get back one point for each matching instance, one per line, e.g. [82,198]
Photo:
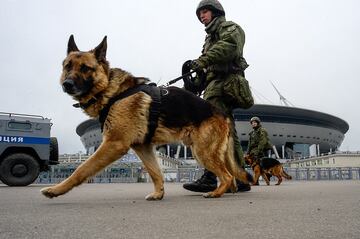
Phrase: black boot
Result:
[206,183]
[242,187]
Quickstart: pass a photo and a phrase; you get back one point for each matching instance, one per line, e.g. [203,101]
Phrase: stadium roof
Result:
[291,115]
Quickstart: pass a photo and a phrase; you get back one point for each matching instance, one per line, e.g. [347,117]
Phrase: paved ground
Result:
[321,209]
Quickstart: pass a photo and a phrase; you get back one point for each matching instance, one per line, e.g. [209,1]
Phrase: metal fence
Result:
[186,175]
[324,173]
[133,175]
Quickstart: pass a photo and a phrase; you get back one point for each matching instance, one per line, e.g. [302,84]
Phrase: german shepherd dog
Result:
[266,167]
[183,117]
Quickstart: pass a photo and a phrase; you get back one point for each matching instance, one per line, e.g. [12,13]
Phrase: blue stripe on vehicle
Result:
[23,140]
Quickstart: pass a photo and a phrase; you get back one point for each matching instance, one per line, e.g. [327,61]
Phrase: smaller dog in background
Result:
[266,167]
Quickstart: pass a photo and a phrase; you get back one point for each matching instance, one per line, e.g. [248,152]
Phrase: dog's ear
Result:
[72,45]
[100,50]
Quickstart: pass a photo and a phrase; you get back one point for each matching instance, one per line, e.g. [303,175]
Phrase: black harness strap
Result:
[150,89]
[154,112]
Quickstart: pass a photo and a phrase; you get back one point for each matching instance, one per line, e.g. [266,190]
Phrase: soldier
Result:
[259,142]
[222,59]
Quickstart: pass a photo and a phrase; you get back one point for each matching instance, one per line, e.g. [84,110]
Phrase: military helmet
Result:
[257,119]
[213,5]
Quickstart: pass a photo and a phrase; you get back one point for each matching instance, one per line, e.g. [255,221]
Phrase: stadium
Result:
[295,132]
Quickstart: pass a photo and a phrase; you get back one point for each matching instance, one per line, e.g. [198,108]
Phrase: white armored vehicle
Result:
[26,148]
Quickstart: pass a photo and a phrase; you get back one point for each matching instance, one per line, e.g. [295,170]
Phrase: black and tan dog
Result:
[266,167]
[139,116]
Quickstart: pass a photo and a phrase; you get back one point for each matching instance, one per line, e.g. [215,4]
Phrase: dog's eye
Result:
[68,66]
[85,68]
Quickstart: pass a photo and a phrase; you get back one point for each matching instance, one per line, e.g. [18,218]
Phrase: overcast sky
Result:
[308,48]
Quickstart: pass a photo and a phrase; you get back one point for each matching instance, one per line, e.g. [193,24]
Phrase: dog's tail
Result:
[285,175]
[234,167]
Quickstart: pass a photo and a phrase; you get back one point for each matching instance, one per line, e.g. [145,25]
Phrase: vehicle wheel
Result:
[54,150]
[19,169]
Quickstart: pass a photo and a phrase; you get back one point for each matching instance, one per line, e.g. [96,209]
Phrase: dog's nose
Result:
[68,85]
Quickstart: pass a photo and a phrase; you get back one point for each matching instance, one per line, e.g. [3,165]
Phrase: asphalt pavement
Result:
[295,209]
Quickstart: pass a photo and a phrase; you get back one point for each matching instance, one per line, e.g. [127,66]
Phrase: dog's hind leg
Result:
[234,168]
[147,156]
[285,175]
[279,180]
[108,152]
[233,186]
[225,178]
[276,171]
[213,160]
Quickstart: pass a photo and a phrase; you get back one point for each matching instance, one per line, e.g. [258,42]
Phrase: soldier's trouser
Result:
[238,153]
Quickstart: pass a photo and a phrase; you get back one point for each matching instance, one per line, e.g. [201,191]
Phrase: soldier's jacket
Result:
[222,54]
[258,142]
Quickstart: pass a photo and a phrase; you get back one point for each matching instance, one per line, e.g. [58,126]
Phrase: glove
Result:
[196,66]
[193,84]
[189,79]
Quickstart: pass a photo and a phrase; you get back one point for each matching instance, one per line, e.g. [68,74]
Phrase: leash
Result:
[178,78]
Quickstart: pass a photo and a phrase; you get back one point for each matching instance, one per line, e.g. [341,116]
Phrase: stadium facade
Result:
[295,132]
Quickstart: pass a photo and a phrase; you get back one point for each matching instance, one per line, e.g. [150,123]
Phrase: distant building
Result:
[336,160]
[295,132]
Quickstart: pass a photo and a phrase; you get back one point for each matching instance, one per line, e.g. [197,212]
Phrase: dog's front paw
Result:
[211,195]
[49,192]
[154,196]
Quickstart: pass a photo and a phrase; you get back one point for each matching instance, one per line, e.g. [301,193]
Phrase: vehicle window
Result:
[19,125]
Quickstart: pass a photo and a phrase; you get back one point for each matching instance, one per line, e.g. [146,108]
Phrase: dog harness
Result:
[150,89]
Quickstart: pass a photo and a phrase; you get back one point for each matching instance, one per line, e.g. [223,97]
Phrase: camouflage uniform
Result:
[258,142]
[222,57]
